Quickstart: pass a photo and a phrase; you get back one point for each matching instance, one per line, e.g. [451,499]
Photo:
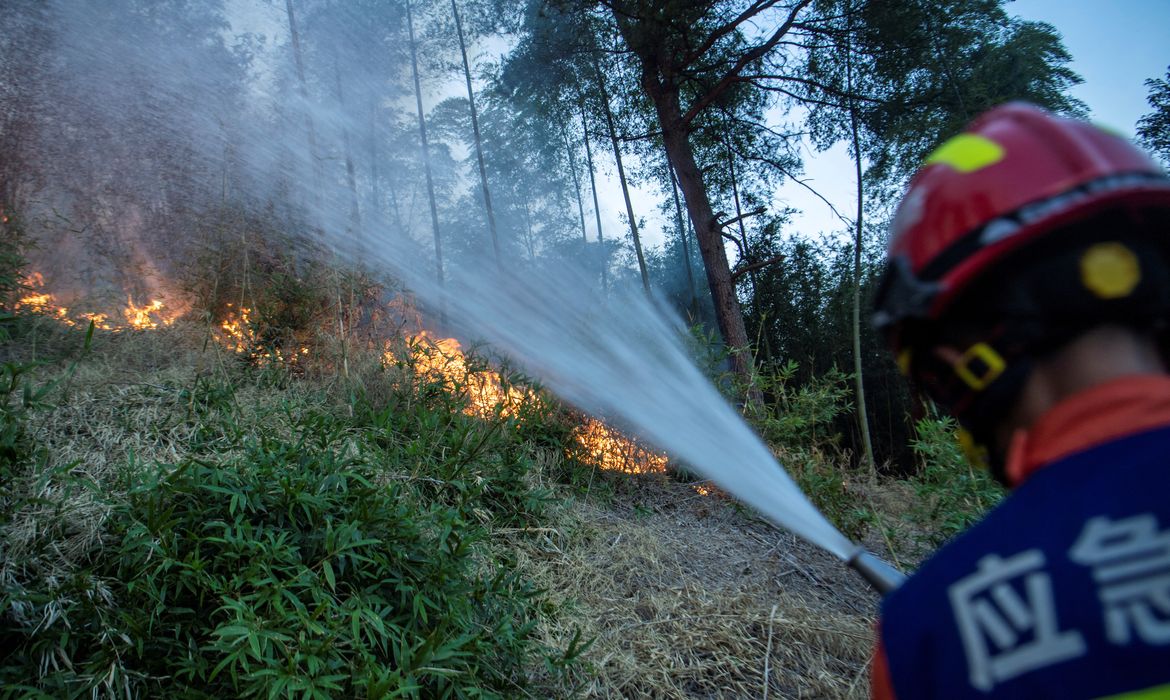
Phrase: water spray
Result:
[614,352]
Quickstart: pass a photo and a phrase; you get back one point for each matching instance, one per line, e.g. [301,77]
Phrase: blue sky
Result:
[1116,45]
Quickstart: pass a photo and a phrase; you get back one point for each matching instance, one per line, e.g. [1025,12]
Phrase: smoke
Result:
[146,119]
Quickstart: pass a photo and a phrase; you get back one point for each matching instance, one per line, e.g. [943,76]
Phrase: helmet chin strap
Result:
[985,409]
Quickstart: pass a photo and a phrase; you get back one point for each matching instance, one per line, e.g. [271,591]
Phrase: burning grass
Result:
[489,394]
[659,590]
[36,299]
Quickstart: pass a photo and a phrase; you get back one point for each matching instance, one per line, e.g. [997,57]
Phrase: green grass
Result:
[312,540]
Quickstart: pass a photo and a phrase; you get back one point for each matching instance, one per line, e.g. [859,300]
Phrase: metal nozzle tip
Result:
[882,576]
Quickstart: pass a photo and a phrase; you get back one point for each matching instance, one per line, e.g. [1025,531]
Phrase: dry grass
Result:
[122,406]
[684,596]
[688,597]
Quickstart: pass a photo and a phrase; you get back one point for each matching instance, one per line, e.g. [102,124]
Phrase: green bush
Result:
[952,495]
[301,552]
[799,420]
[12,262]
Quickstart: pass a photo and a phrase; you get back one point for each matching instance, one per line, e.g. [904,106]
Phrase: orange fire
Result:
[147,317]
[238,334]
[597,443]
[608,449]
[442,359]
[40,301]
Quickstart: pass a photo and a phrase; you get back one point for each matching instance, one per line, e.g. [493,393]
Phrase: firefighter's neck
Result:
[1093,358]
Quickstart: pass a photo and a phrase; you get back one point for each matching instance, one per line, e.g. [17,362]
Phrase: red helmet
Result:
[1017,174]
[1001,217]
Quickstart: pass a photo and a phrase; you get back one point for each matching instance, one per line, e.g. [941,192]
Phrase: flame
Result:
[146,318]
[442,359]
[40,301]
[609,449]
[239,334]
[100,321]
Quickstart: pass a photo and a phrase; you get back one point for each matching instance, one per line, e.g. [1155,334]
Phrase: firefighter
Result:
[1027,292]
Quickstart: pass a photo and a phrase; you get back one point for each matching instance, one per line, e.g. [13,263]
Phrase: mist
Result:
[137,136]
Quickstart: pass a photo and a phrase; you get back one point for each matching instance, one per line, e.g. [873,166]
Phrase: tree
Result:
[426,156]
[1154,128]
[691,56]
[893,80]
[487,195]
[617,157]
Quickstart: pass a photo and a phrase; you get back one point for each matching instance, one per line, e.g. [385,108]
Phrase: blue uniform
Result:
[1063,591]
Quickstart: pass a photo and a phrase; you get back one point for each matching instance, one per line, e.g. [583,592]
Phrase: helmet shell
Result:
[1017,174]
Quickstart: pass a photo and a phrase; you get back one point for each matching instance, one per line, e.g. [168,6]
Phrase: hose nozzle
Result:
[882,576]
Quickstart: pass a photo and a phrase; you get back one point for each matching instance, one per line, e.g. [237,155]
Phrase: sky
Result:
[1115,46]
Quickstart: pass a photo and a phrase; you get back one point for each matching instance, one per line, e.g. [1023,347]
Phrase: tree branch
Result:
[719,32]
[754,212]
[741,271]
[784,170]
[738,244]
[729,77]
[813,84]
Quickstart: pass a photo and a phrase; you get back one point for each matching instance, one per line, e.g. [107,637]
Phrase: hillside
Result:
[136,448]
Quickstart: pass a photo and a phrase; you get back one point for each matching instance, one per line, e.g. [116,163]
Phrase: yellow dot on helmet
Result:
[1110,270]
[967,153]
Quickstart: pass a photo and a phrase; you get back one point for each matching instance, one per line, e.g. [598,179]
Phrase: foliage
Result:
[801,415]
[799,421]
[1154,128]
[933,66]
[301,548]
[12,262]
[952,495]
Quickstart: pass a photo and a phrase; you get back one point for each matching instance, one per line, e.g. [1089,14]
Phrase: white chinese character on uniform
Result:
[1131,565]
[1005,633]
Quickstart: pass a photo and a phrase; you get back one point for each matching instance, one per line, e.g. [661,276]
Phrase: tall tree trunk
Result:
[375,204]
[767,350]
[576,180]
[690,178]
[355,213]
[693,304]
[862,412]
[487,195]
[426,156]
[603,256]
[303,89]
[617,156]
[528,230]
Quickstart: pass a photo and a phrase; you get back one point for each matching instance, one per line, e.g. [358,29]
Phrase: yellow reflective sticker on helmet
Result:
[1107,128]
[1110,270]
[967,153]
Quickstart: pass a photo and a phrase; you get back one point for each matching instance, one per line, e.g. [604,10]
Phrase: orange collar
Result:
[1107,412]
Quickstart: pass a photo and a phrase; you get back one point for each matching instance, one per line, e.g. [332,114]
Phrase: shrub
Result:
[952,494]
[299,551]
